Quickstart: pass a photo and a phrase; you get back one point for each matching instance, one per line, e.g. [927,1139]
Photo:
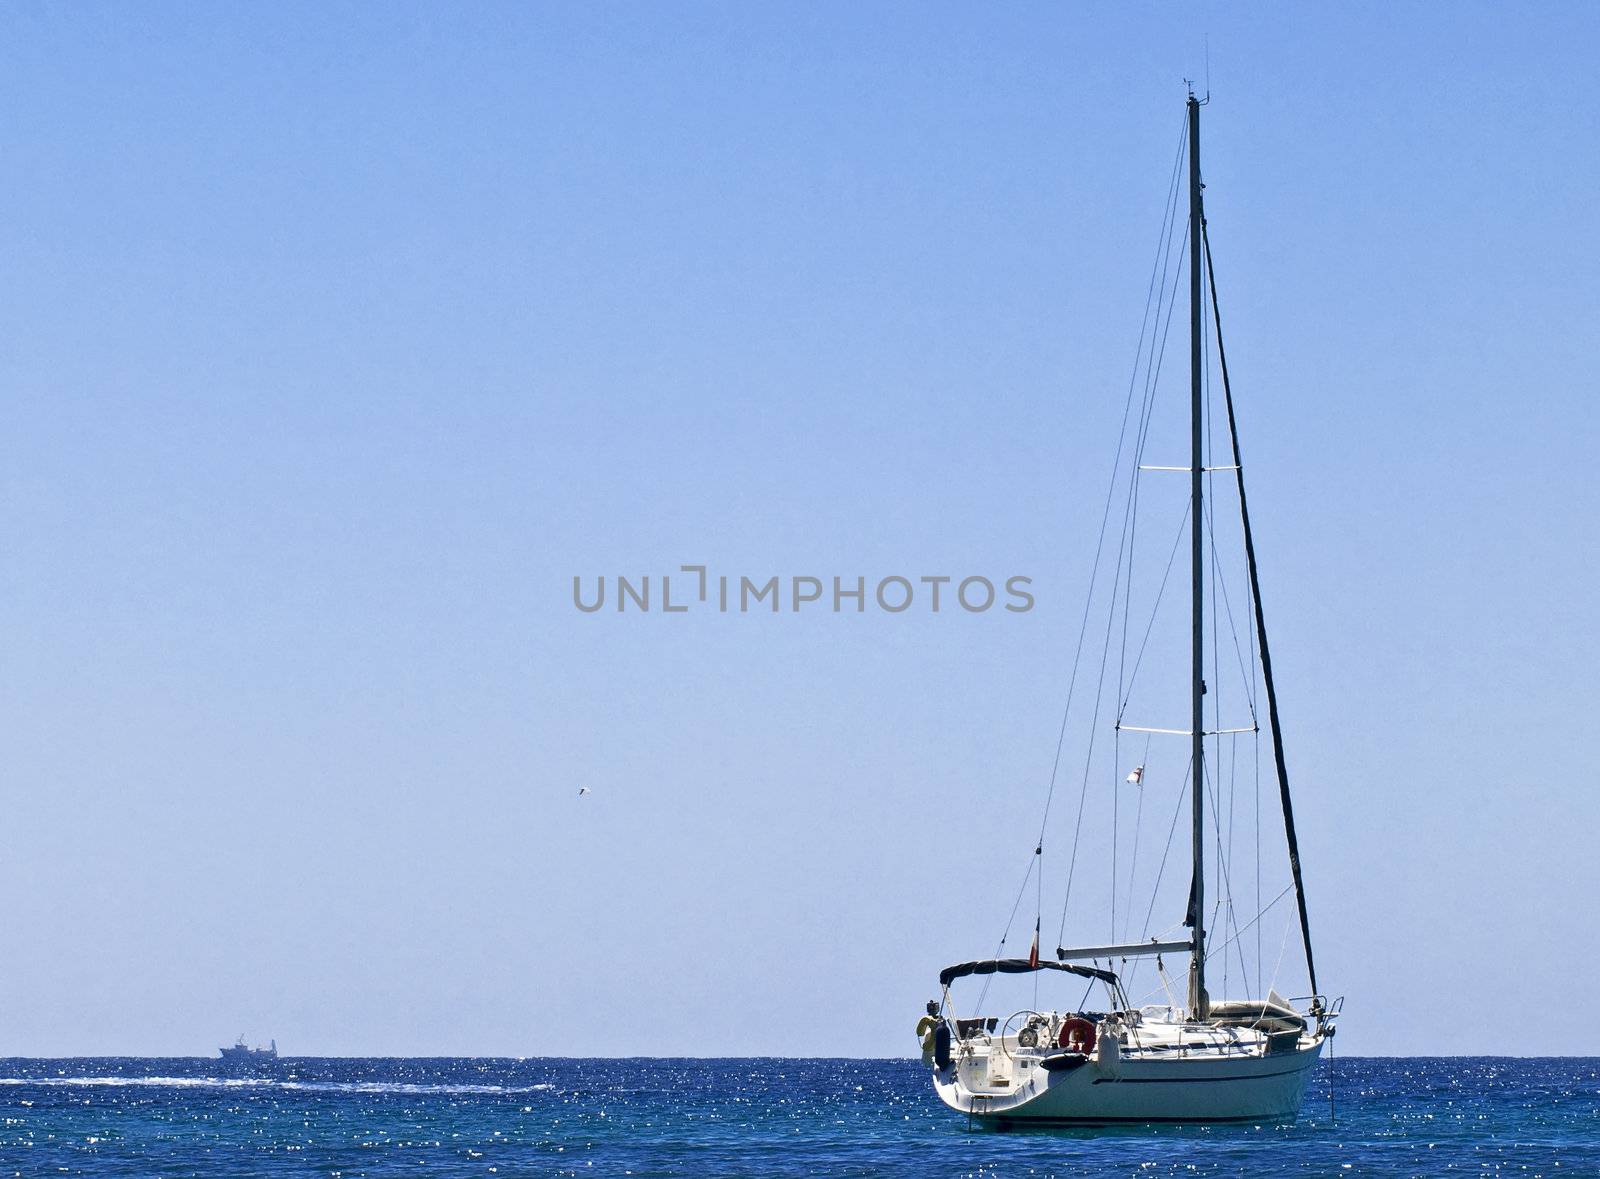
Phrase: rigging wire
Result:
[1083,792]
[1138,822]
[1033,861]
[1225,901]
[1261,631]
[1158,288]
[1256,920]
[1256,747]
[1233,773]
[1233,628]
[1172,556]
[1165,852]
[1150,354]
[1152,295]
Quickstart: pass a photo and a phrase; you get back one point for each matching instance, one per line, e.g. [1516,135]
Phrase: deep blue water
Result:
[351,1118]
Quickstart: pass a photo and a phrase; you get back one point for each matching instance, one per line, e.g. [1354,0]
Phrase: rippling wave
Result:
[127,1117]
[269,1083]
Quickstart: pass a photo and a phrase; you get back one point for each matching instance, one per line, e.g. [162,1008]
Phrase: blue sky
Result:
[340,339]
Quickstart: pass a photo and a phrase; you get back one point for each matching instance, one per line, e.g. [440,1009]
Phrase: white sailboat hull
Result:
[1198,1088]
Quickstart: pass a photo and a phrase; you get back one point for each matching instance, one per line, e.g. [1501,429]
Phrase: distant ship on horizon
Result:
[242,1056]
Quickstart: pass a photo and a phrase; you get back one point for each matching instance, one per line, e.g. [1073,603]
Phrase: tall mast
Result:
[1198,1003]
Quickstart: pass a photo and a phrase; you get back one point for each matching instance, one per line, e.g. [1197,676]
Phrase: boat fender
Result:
[941,1046]
[1108,1051]
[1076,1035]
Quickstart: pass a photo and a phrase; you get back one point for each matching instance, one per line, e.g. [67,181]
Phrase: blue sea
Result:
[391,1117]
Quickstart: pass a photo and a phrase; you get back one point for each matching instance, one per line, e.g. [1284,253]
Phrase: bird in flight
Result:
[582,790]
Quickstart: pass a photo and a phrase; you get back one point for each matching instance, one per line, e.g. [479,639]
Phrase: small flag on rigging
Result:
[1136,777]
[1033,952]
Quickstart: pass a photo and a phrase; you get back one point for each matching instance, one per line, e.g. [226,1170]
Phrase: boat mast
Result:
[1198,1003]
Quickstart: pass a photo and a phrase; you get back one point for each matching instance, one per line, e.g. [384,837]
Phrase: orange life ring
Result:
[1076,1035]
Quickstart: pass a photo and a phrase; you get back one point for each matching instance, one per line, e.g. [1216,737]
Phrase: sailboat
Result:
[1191,1058]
